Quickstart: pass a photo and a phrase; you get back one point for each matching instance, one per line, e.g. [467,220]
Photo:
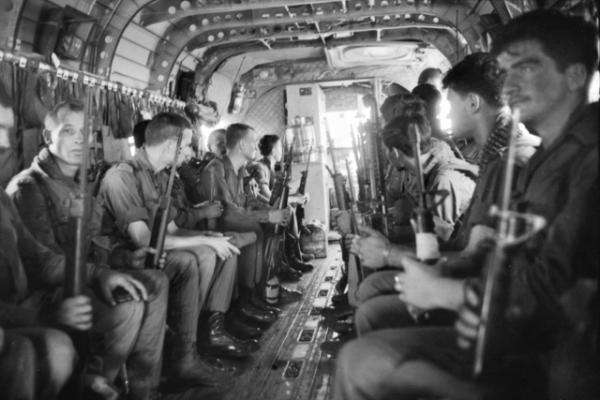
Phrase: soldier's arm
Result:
[33,210]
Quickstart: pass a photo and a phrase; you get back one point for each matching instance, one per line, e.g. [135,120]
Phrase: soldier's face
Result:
[534,83]
[462,119]
[277,151]
[66,136]
[7,122]
[248,145]
[216,143]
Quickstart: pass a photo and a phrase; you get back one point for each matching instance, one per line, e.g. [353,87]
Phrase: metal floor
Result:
[289,364]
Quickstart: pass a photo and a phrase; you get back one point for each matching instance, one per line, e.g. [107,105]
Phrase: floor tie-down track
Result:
[289,364]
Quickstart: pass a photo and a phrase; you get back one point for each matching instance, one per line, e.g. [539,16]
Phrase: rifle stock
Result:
[497,279]
[75,263]
[161,218]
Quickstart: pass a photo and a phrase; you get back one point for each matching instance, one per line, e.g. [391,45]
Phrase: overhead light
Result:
[210,38]
[193,27]
[421,17]
[436,20]
[171,10]
[205,21]
[185,5]
[220,35]
[406,16]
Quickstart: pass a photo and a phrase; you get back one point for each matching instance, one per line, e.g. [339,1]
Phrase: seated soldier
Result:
[119,332]
[263,172]
[193,215]
[228,172]
[201,268]
[217,145]
[45,196]
[477,111]
[547,80]
[440,171]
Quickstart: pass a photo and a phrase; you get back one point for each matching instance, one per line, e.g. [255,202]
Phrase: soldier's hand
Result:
[417,283]
[298,198]
[109,281]
[342,221]
[137,258]
[75,313]
[468,320]
[222,246]
[213,210]
[371,247]
[280,217]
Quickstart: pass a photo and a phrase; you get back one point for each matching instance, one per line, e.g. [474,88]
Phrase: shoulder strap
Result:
[54,220]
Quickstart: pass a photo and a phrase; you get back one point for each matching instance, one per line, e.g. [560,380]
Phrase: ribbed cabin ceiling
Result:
[144,44]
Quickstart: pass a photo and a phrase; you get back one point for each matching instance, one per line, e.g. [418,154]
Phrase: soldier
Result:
[201,267]
[229,172]
[549,59]
[263,171]
[477,111]
[432,76]
[43,196]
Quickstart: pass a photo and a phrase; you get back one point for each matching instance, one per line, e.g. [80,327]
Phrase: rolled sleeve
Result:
[449,210]
[119,192]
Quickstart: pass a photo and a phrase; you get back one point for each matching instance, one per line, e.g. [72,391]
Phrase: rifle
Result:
[75,263]
[285,188]
[161,218]
[427,246]
[496,289]
[275,244]
[302,188]
[354,270]
[211,224]
[353,223]
[338,179]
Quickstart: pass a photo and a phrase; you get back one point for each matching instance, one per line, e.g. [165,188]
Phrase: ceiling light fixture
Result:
[185,4]
[193,27]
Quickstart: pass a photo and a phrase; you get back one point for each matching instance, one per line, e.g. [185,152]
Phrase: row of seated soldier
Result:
[419,325]
[142,322]
[416,324]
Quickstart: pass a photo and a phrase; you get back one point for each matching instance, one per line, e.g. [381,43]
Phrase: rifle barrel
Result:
[166,204]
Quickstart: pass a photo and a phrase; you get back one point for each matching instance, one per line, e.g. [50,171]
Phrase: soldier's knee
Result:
[156,283]
[61,357]
[129,313]
[361,320]
[363,365]
[186,265]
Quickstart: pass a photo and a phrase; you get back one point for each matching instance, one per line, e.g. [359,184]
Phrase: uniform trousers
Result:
[251,260]
[18,364]
[130,332]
